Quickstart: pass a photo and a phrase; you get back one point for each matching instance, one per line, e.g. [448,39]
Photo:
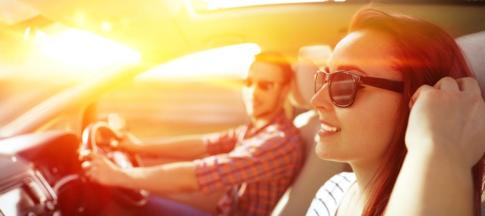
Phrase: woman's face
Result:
[362,132]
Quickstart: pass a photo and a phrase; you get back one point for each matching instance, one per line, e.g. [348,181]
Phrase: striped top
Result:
[255,168]
[329,196]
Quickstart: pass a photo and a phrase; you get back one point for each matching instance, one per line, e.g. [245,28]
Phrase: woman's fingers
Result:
[451,115]
[447,84]
[420,91]
[469,85]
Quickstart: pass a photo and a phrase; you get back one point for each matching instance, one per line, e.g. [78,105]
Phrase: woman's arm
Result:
[432,184]
[445,138]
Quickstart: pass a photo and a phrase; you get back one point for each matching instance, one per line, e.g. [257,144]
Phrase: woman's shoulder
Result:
[328,197]
[337,185]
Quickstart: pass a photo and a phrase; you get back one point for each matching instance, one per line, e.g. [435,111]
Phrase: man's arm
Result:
[183,147]
[445,138]
[268,161]
[168,178]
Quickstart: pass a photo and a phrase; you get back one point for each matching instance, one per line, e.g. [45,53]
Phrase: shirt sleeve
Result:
[265,159]
[222,142]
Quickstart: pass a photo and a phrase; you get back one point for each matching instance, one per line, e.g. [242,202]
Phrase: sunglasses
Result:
[263,85]
[343,85]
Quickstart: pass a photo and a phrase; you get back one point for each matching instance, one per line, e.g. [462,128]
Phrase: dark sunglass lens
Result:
[342,89]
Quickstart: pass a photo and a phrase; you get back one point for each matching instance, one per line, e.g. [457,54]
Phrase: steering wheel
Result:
[107,146]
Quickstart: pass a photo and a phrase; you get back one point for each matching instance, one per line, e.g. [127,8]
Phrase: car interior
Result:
[43,134]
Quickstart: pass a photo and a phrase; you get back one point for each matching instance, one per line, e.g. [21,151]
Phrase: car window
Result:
[197,93]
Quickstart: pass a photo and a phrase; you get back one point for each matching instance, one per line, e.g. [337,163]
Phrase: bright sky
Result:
[75,48]
[66,54]
[62,54]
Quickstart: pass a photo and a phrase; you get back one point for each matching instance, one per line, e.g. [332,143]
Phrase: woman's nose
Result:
[321,98]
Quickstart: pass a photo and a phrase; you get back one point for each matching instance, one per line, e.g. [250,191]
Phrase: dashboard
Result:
[41,174]
[34,171]
[23,189]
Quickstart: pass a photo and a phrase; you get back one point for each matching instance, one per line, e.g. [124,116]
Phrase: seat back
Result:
[473,47]
[315,171]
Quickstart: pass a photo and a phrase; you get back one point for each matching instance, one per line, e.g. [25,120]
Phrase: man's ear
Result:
[285,101]
[285,90]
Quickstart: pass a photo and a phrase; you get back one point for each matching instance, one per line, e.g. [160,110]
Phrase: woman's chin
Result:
[323,152]
[327,151]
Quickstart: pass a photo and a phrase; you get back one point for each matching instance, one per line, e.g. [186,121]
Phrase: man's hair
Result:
[279,60]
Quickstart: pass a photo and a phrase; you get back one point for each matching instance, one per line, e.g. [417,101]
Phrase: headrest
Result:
[309,60]
[473,47]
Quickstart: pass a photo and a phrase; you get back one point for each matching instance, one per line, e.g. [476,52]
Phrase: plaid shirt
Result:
[256,169]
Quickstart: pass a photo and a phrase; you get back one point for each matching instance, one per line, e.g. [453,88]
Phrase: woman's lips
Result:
[327,129]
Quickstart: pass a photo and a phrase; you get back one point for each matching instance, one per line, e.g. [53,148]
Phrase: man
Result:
[254,164]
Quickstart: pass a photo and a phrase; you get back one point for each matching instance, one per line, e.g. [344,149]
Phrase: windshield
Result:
[18,95]
[24,91]
[44,61]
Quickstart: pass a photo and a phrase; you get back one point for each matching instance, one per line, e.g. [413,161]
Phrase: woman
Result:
[364,99]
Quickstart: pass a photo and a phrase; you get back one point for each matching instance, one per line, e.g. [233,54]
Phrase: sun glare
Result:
[78,50]
[230,61]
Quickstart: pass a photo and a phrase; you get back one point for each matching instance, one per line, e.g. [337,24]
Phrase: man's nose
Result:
[254,89]
[249,91]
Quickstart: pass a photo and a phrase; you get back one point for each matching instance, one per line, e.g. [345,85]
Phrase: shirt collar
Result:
[277,119]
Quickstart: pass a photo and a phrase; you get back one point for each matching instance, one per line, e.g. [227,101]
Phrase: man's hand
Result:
[448,120]
[99,169]
[167,178]
[130,142]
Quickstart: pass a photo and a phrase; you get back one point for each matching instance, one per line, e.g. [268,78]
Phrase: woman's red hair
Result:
[425,54]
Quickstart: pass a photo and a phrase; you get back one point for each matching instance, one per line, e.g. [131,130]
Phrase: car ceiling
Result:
[164,29]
